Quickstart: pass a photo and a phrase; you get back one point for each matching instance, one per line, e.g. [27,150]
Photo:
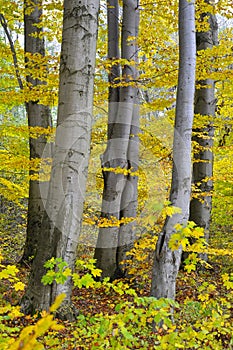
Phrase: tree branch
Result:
[12,47]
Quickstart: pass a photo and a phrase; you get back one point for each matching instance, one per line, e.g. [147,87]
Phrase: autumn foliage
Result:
[120,314]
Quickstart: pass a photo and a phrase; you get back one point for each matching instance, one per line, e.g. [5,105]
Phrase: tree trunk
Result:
[129,200]
[106,248]
[120,189]
[61,223]
[205,105]
[167,261]
[38,115]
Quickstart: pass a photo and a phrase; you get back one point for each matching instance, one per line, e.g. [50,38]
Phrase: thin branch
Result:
[12,47]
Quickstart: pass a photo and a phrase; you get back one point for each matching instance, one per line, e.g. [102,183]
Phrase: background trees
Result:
[120,159]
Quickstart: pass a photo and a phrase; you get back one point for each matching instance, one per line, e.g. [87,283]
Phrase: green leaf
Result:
[126,333]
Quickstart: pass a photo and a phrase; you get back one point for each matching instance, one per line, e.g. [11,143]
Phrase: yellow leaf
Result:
[15,312]
[44,313]
[59,299]
[19,286]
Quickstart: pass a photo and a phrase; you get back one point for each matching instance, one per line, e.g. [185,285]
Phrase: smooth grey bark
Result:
[120,190]
[105,254]
[129,200]
[167,261]
[61,223]
[38,116]
[205,105]
[113,53]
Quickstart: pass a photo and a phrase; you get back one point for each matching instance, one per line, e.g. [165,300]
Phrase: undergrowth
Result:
[121,315]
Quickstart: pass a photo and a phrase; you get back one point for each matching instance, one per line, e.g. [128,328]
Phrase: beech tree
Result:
[38,115]
[167,260]
[203,133]
[61,222]
[120,160]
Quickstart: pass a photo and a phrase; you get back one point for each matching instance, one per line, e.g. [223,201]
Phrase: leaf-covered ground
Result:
[121,315]
[111,318]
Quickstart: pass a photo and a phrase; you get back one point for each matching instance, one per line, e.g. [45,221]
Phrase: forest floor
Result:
[202,296]
[112,317]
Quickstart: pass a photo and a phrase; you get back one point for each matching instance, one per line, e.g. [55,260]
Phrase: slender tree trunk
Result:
[120,189]
[38,115]
[205,105]
[106,248]
[129,200]
[167,261]
[61,223]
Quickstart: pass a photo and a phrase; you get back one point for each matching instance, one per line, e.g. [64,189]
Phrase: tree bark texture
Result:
[120,190]
[167,261]
[205,105]
[61,223]
[38,116]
